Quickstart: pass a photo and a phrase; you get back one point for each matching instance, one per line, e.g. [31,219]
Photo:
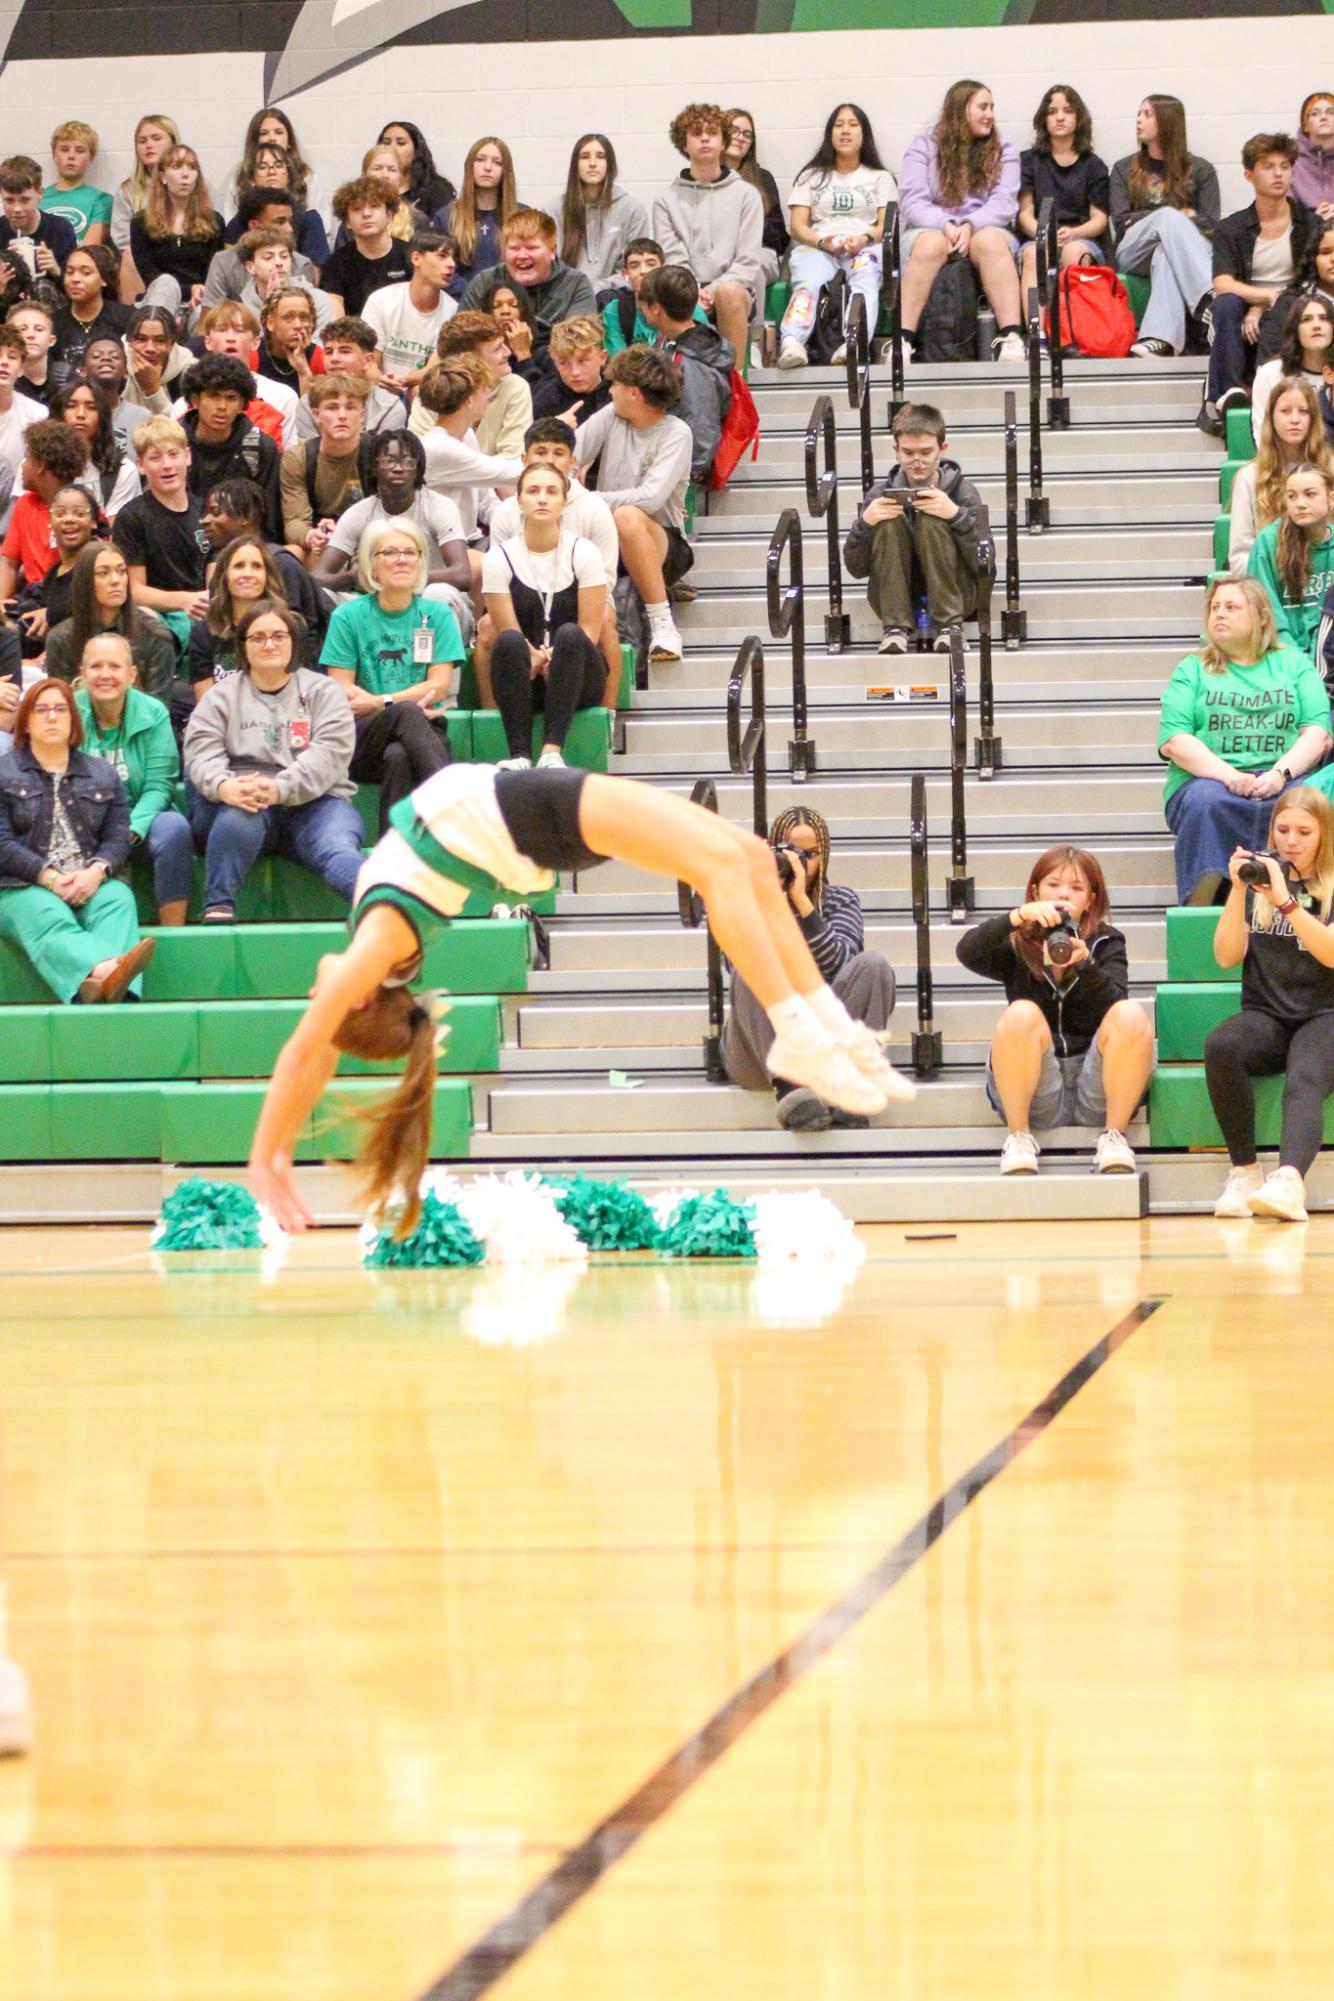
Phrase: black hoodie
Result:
[1073,1009]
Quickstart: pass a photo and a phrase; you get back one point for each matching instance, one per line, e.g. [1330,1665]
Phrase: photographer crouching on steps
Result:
[830,918]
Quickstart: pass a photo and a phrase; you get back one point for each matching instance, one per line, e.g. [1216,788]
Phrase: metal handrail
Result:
[926,1042]
[1037,511]
[748,752]
[822,502]
[959,889]
[892,292]
[787,614]
[1014,622]
[859,382]
[986,744]
[690,905]
[1049,286]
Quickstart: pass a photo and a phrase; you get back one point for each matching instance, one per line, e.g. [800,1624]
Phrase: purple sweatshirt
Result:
[1313,175]
[919,198]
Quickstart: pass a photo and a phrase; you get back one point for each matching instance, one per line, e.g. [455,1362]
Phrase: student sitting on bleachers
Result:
[642,452]
[546,597]
[393,652]
[267,752]
[830,917]
[55,455]
[701,357]
[396,466]
[1071,1048]
[134,734]
[1313,177]
[457,393]
[1294,556]
[320,478]
[1257,255]
[958,194]
[1280,935]
[75,522]
[244,571]
[160,534]
[223,441]
[64,838]
[236,507]
[1291,433]
[349,349]
[712,221]
[1165,203]
[918,530]
[1239,720]
[1304,350]
[1315,279]
[839,200]
[575,388]
[1062,167]
[100,601]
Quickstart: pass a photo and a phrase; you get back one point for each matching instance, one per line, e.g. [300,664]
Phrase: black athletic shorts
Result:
[541,810]
[679,558]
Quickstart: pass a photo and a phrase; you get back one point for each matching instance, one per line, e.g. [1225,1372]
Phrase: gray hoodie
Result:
[606,233]
[236,729]
[715,228]
[703,361]
[966,526]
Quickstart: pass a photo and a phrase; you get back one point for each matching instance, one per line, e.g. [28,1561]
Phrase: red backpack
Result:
[741,427]
[1093,312]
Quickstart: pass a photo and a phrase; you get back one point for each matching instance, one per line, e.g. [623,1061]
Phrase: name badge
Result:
[423,646]
[298,733]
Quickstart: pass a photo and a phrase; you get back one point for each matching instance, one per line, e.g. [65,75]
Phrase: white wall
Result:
[1237,77]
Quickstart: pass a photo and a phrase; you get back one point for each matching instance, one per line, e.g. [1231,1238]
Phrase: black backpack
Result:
[947,330]
[829,331]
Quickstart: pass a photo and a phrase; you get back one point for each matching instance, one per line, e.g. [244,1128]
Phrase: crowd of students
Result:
[268,480]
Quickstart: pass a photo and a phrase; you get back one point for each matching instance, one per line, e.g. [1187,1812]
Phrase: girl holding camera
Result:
[1276,926]
[1070,1049]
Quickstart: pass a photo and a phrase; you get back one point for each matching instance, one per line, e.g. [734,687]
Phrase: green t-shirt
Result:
[1297,622]
[79,207]
[1248,716]
[381,646]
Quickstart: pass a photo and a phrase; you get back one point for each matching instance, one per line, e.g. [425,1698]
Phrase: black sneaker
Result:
[1210,421]
[800,1111]
[1153,349]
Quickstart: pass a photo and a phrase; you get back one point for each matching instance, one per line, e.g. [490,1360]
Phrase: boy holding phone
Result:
[918,530]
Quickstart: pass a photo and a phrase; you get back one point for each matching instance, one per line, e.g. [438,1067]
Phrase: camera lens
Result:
[1254,872]
[1061,942]
[786,872]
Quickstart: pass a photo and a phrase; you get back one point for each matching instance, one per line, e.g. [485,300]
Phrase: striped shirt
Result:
[836,933]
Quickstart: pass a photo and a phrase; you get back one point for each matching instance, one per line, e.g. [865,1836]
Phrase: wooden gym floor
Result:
[659,1632]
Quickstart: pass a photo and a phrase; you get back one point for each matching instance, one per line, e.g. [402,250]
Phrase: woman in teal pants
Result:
[64,833]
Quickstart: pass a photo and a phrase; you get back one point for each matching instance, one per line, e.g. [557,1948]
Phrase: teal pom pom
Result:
[606,1215]
[710,1226]
[441,1239]
[208,1216]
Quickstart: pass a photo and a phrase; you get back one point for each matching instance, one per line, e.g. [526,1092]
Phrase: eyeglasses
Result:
[398,555]
[267,639]
[51,709]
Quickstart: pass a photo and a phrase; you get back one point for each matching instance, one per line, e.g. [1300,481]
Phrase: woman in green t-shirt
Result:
[1239,720]
[1294,556]
[393,653]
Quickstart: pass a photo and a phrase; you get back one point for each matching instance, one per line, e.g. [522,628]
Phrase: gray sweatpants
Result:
[1180,265]
[865,986]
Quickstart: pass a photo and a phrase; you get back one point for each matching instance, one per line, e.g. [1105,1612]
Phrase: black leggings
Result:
[1252,1044]
[575,679]
[398,748]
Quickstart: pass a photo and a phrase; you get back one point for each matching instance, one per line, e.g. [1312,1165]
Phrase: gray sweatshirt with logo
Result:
[303,736]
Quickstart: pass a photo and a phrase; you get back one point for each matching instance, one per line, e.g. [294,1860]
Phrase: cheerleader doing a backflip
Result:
[475,827]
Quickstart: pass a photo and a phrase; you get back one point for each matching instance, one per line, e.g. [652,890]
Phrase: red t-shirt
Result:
[28,542]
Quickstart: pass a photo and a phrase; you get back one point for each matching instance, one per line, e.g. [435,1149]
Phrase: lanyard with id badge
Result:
[423,644]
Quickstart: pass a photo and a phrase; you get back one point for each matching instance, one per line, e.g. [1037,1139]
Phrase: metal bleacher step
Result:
[1171,497]
[1174,444]
[1083,730]
[1031,673]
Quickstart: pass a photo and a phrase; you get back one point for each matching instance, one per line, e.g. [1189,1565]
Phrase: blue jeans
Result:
[324,835]
[1209,822]
[1231,357]
[170,847]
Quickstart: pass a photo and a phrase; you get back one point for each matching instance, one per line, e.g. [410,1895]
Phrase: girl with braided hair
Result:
[829,917]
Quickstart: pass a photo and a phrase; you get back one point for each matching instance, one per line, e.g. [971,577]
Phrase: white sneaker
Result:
[1282,1196]
[664,641]
[1019,1155]
[1241,1183]
[15,1711]
[894,639]
[1113,1154]
[1012,348]
[792,354]
[839,356]
[829,1071]
[515,764]
[868,1053]
[551,760]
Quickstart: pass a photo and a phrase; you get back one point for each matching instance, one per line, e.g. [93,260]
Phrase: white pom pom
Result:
[518,1306]
[803,1227]
[516,1217]
[664,1202]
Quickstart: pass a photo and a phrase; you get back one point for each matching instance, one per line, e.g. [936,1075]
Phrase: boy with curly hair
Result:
[712,221]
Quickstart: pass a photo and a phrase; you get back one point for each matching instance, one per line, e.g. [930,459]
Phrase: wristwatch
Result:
[1286,909]
[1284,773]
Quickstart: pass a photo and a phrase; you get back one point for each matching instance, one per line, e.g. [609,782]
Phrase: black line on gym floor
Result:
[512,1937]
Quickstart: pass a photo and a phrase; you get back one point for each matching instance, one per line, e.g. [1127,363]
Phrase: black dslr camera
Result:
[1061,940]
[786,866]
[1254,873]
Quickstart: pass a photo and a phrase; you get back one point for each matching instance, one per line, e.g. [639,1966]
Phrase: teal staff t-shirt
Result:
[1247,716]
[381,646]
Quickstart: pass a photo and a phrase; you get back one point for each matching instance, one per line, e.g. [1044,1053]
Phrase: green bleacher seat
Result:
[777,298]
[1185,1013]
[278,961]
[588,744]
[1180,1113]
[1190,945]
[1222,536]
[1227,473]
[1137,291]
[1240,436]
